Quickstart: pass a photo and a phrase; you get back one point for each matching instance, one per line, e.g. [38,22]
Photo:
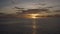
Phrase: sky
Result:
[7,6]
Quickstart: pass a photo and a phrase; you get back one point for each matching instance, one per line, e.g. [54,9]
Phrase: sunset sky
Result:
[7,6]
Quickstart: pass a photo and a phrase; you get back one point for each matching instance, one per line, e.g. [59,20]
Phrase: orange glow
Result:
[34,27]
[33,16]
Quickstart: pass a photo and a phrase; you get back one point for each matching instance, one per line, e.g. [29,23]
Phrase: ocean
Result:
[48,25]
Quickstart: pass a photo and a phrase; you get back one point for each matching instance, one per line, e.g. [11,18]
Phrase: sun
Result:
[33,16]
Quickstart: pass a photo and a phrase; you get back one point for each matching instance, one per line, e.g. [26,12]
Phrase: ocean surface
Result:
[49,25]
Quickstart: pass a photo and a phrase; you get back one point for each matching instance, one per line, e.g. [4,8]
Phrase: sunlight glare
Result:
[34,16]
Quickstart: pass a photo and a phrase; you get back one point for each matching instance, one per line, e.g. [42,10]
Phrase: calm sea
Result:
[49,25]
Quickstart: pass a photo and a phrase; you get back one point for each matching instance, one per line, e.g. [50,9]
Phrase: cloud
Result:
[28,4]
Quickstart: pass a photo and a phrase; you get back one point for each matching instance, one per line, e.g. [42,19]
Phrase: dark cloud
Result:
[18,8]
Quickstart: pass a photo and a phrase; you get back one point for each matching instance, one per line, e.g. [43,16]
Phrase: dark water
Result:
[48,25]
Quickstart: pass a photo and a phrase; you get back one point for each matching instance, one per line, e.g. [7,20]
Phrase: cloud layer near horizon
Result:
[29,4]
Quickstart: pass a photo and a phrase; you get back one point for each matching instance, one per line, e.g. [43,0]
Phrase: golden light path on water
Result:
[34,27]
[34,23]
[33,16]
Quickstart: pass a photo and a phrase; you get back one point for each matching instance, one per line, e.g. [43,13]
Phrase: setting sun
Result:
[33,16]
